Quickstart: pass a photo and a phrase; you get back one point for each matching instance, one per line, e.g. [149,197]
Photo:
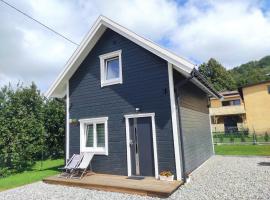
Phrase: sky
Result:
[233,32]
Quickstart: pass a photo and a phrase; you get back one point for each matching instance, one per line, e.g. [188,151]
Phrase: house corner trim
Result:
[176,139]
[67,121]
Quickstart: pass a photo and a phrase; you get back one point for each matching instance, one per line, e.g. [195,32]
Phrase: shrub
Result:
[242,137]
[266,137]
[246,131]
[221,139]
[231,138]
[54,121]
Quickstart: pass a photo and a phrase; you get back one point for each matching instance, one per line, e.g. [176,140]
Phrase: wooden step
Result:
[113,183]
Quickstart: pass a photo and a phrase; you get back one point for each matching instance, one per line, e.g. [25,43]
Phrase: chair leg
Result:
[83,173]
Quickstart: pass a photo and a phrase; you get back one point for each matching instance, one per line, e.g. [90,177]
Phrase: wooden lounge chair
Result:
[73,162]
[80,170]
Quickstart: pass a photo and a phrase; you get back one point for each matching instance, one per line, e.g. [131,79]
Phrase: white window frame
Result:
[103,67]
[83,125]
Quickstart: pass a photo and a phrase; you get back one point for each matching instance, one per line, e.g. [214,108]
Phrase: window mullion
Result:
[95,135]
[85,134]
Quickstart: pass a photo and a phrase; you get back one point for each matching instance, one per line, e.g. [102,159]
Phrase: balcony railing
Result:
[227,110]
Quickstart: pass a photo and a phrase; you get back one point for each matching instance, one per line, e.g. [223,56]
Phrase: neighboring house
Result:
[245,109]
[256,98]
[228,115]
[138,107]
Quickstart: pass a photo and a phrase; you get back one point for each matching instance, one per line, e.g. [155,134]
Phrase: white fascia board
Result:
[197,83]
[89,41]
[93,36]
[149,45]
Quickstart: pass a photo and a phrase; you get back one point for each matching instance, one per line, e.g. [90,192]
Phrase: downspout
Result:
[177,100]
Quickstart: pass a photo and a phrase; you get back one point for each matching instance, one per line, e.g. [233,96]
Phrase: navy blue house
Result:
[138,107]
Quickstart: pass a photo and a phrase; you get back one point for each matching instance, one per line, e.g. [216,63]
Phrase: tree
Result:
[28,124]
[20,126]
[54,121]
[252,72]
[217,75]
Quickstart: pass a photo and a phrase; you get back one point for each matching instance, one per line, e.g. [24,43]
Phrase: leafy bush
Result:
[54,121]
[221,138]
[29,124]
[246,131]
[242,137]
[266,137]
[231,138]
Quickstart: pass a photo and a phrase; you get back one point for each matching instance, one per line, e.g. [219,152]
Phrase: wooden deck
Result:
[148,186]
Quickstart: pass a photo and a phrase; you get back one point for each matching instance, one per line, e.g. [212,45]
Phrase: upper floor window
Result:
[111,68]
[235,102]
[94,135]
[268,87]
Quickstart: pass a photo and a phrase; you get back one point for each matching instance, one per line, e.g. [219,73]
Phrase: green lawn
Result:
[259,150]
[50,167]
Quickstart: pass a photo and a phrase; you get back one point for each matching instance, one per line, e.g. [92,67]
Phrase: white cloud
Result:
[6,80]
[231,31]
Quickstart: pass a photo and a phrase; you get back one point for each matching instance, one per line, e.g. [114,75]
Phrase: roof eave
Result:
[56,89]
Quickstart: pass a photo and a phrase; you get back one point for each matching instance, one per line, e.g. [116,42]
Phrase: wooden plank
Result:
[148,186]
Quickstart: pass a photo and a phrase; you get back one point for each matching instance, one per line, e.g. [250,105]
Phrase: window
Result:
[235,102]
[226,103]
[268,87]
[94,135]
[111,68]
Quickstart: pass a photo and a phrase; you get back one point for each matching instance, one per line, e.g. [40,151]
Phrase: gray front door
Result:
[141,147]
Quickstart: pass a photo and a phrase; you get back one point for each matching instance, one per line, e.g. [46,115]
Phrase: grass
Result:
[256,150]
[50,167]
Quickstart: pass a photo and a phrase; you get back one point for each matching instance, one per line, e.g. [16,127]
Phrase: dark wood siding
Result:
[195,124]
[145,86]
[191,96]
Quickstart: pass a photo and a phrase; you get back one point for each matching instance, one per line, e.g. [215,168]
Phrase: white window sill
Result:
[96,151]
[111,82]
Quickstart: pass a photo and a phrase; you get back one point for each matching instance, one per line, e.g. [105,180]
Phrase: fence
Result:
[235,136]
[17,162]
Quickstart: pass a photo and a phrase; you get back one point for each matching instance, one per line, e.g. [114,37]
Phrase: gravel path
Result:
[219,178]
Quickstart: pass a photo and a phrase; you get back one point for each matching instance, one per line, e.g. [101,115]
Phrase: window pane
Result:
[225,103]
[112,68]
[100,135]
[89,136]
[236,102]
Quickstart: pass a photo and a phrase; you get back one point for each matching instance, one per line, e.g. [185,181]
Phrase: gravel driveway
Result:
[221,177]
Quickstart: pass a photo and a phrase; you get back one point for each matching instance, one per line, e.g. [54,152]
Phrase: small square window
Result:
[94,135]
[111,68]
